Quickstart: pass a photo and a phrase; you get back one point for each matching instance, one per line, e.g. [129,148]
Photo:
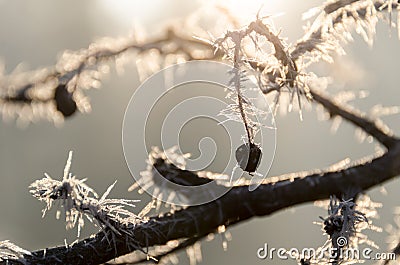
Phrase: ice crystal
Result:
[10,251]
[258,47]
[167,168]
[393,239]
[79,201]
[344,225]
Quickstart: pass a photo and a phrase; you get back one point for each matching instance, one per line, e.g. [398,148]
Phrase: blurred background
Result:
[35,33]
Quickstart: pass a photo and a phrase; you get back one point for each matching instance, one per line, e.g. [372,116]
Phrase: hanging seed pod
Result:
[333,224]
[65,102]
[248,157]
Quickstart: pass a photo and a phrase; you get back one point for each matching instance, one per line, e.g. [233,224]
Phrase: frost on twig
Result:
[166,178]
[344,227]
[258,47]
[236,206]
[333,27]
[375,128]
[393,239]
[79,201]
[58,92]
[10,251]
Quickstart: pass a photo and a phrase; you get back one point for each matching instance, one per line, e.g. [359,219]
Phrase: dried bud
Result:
[248,157]
[65,102]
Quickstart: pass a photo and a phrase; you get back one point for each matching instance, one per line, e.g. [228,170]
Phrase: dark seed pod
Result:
[65,102]
[305,262]
[248,157]
[333,225]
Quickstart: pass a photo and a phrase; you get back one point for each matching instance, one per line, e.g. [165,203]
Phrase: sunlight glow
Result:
[249,7]
[128,11]
[246,11]
[144,12]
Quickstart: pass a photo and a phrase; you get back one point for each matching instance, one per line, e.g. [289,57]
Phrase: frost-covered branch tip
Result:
[259,48]
[344,227]
[237,205]
[334,25]
[12,252]
[58,92]
[78,200]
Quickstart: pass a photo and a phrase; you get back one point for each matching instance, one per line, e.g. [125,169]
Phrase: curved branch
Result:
[156,259]
[238,205]
[314,38]
[23,89]
[376,129]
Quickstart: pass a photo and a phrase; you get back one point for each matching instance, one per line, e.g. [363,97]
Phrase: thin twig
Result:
[376,129]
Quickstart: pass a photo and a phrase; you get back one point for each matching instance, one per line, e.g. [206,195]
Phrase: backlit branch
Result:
[123,232]
[59,90]
[238,205]
[376,129]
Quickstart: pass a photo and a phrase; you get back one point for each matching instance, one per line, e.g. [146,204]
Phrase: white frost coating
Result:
[79,201]
[10,251]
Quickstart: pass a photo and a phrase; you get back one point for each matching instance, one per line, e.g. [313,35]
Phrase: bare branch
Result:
[156,259]
[238,205]
[191,224]
[376,129]
[42,87]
